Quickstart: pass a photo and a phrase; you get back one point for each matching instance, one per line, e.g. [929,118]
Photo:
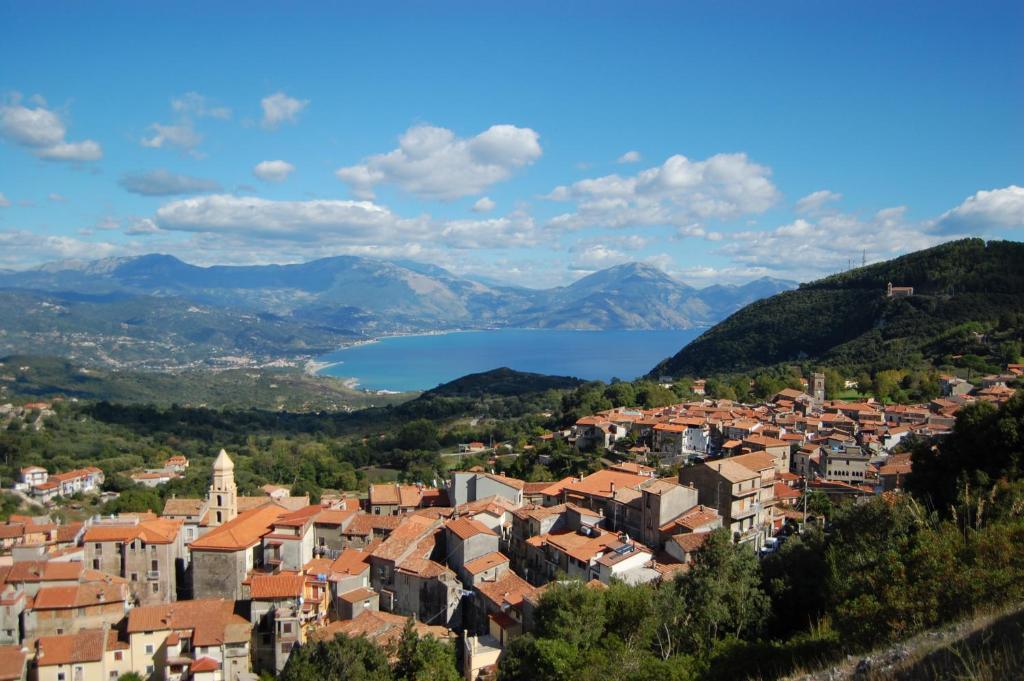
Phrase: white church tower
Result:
[223,497]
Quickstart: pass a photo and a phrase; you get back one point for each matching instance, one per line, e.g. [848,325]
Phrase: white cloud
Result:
[809,248]
[516,230]
[195,104]
[4,201]
[361,221]
[629,157]
[596,257]
[43,132]
[985,211]
[279,108]
[165,183]
[142,227]
[433,163]
[57,198]
[816,201]
[273,171]
[679,192]
[483,205]
[19,248]
[337,226]
[182,135]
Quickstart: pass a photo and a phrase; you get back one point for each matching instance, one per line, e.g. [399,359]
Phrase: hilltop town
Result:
[227,586]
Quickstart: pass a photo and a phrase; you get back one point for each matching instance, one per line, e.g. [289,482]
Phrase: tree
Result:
[424,659]
[721,594]
[343,658]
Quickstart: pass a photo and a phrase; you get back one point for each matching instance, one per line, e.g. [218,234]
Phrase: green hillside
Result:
[968,302]
[23,376]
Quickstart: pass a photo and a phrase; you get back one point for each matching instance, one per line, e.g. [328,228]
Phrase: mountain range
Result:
[314,306]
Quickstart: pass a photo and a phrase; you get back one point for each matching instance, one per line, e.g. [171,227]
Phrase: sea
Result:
[421,362]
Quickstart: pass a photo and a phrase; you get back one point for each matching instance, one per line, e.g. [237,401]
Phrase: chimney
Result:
[613,487]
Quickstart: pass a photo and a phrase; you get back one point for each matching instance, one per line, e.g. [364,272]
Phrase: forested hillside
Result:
[968,302]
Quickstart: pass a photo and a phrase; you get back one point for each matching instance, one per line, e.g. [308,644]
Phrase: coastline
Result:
[390,376]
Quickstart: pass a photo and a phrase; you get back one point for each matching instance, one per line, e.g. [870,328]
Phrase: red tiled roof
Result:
[204,664]
[242,532]
[464,528]
[485,562]
[12,663]
[87,645]
[78,596]
[212,620]
[266,587]
[510,588]
[351,562]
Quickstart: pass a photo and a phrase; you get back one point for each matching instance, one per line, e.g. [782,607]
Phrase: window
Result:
[118,655]
[95,564]
[154,565]
[59,631]
[218,517]
[135,576]
[286,627]
[99,548]
[112,676]
[220,500]
[156,587]
[149,649]
[150,669]
[60,676]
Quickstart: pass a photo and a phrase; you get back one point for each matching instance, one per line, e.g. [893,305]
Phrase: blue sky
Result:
[531,142]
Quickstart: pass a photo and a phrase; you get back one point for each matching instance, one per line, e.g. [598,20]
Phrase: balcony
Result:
[745,513]
[153,575]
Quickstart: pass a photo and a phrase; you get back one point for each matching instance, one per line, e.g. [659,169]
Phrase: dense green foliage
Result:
[981,462]
[286,389]
[359,659]
[968,305]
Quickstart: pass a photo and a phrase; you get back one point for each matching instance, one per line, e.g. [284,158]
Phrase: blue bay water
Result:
[423,362]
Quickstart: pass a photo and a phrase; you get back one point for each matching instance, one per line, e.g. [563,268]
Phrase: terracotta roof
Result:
[384,494]
[602,482]
[212,620]
[298,518]
[695,518]
[402,538]
[204,664]
[45,571]
[784,491]
[355,595]
[510,588]
[12,663]
[156,531]
[690,541]
[334,516]
[755,461]
[11,531]
[555,488]
[731,471]
[79,595]
[422,567]
[242,532]
[351,562]
[485,562]
[464,528]
[266,587]
[365,523]
[88,645]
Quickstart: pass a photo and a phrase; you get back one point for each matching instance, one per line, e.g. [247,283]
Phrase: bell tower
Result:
[223,497]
